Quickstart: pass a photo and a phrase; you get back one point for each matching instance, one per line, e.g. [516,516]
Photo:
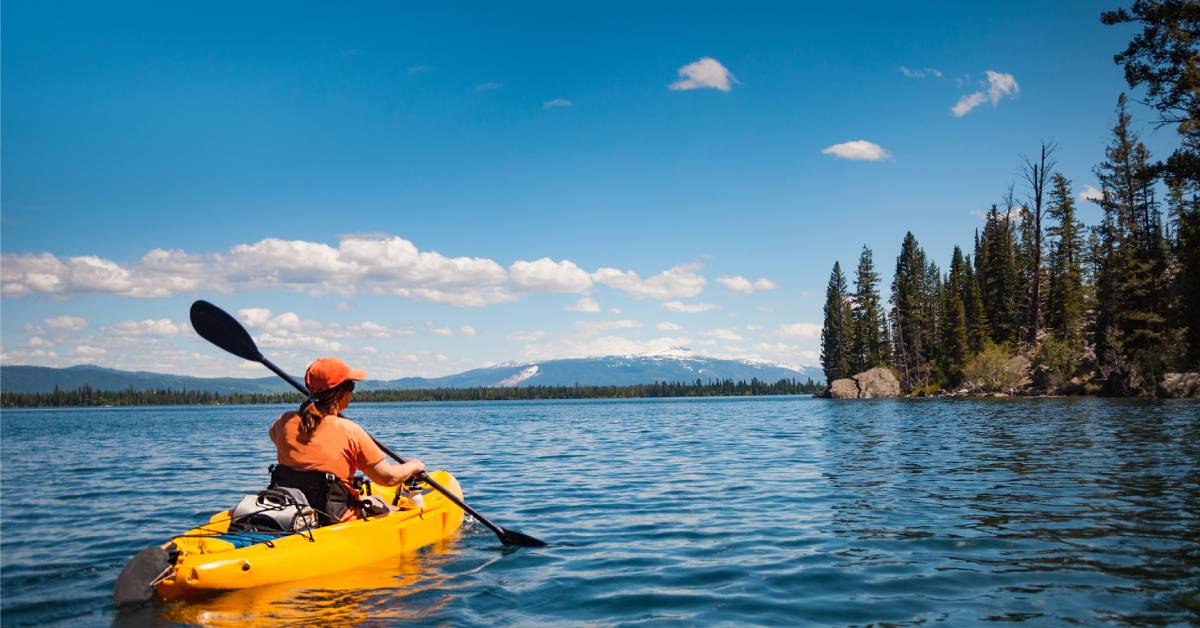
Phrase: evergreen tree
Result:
[1163,59]
[1187,281]
[972,297]
[835,334]
[1064,303]
[1131,333]
[911,328]
[998,276]
[869,327]
[954,344]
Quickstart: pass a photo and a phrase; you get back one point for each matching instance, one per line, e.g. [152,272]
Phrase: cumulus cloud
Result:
[999,85]
[857,150]
[466,330]
[375,264]
[547,275]
[438,330]
[592,328]
[526,336]
[579,347]
[678,281]
[668,326]
[88,351]
[803,331]
[706,72]
[688,308]
[745,286]
[584,304]
[147,327]
[557,103]
[920,73]
[1090,193]
[721,334]
[66,323]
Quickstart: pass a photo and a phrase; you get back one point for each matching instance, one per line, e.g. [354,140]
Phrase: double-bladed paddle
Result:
[218,327]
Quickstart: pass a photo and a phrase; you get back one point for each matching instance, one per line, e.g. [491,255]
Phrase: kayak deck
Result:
[209,559]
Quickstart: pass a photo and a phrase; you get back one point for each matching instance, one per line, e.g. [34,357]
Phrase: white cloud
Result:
[803,331]
[857,150]
[344,306]
[668,326]
[438,330]
[547,275]
[678,281]
[706,72]
[88,351]
[1090,193]
[147,327]
[688,308]
[38,341]
[921,73]
[745,286]
[526,336]
[584,304]
[466,330]
[557,103]
[254,316]
[592,328]
[67,323]
[721,333]
[999,85]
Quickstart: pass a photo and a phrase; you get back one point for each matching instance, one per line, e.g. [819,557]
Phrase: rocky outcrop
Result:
[1180,386]
[843,389]
[876,383]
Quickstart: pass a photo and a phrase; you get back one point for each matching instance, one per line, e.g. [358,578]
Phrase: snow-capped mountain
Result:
[674,365]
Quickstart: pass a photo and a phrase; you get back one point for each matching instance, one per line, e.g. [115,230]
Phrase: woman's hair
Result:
[317,406]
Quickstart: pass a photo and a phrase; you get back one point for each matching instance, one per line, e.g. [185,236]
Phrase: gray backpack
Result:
[279,509]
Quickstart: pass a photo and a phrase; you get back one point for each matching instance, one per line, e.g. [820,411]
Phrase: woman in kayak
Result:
[316,438]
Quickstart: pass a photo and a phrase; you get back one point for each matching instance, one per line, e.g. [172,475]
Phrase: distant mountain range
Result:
[671,366]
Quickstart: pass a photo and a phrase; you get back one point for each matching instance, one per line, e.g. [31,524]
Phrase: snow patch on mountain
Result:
[524,375]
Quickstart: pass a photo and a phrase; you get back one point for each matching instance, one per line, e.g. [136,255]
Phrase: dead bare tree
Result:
[1037,177]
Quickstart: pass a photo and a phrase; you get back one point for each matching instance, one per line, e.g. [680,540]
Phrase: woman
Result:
[316,441]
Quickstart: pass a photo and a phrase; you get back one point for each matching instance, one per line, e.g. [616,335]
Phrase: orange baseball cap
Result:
[326,373]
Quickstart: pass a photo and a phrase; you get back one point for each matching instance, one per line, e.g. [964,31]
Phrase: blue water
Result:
[759,511]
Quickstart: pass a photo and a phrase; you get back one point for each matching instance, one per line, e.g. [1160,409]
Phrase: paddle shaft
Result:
[424,477]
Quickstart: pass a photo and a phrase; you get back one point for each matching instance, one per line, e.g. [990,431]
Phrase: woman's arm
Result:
[387,473]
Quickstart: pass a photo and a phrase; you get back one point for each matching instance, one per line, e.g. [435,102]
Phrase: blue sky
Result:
[378,176]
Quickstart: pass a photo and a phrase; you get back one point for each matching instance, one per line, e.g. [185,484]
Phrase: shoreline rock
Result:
[876,383]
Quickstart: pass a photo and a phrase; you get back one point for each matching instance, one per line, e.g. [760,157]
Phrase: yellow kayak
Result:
[209,559]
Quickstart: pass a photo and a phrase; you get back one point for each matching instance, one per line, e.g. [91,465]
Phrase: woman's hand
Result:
[413,467]
[387,473]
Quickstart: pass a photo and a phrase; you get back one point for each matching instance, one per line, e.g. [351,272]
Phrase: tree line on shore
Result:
[1042,301]
[88,396]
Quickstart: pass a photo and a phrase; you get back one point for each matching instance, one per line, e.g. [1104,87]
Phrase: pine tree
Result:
[1065,301]
[977,324]
[869,327]
[1187,280]
[1037,174]
[835,334]
[954,344]
[912,330]
[1131,322]
[998,276]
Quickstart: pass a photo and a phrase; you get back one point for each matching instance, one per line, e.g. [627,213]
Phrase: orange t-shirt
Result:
[338,446]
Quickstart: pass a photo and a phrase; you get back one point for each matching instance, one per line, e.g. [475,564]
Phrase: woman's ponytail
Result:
[317,406]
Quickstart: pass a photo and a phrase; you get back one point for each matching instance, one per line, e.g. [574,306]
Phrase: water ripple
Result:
[760,511]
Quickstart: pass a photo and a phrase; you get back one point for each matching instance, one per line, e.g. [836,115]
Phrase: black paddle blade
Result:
[512,537]
[218,327]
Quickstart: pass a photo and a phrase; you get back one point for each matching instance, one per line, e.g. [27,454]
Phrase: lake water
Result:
[761,511]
